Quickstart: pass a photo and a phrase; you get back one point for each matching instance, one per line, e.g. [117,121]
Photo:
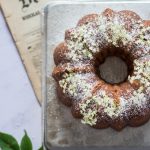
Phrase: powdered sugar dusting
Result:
[142,75]
[77,85]
[93,105]
[89,39]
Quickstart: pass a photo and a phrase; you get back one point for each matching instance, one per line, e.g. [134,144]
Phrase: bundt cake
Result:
[95,101]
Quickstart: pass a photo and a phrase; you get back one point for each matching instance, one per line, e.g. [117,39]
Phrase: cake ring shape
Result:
[79,86]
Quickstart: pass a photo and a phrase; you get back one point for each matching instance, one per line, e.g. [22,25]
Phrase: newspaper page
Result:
[24,21]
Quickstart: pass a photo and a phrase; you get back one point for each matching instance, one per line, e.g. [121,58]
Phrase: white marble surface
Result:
[19,108]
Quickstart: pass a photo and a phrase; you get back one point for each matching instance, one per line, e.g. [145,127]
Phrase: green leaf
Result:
[26,143]
[4,146]
[8,142]
[41,148]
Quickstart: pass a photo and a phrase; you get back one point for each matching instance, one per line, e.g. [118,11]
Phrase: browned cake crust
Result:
[59,53]
[65,66]
[147,23]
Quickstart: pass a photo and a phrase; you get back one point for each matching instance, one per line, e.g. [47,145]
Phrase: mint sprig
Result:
[8,142]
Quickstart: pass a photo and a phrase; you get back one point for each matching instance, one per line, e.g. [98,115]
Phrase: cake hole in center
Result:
[114,70]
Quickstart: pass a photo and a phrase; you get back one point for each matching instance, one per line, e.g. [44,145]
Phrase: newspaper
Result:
[23,19]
